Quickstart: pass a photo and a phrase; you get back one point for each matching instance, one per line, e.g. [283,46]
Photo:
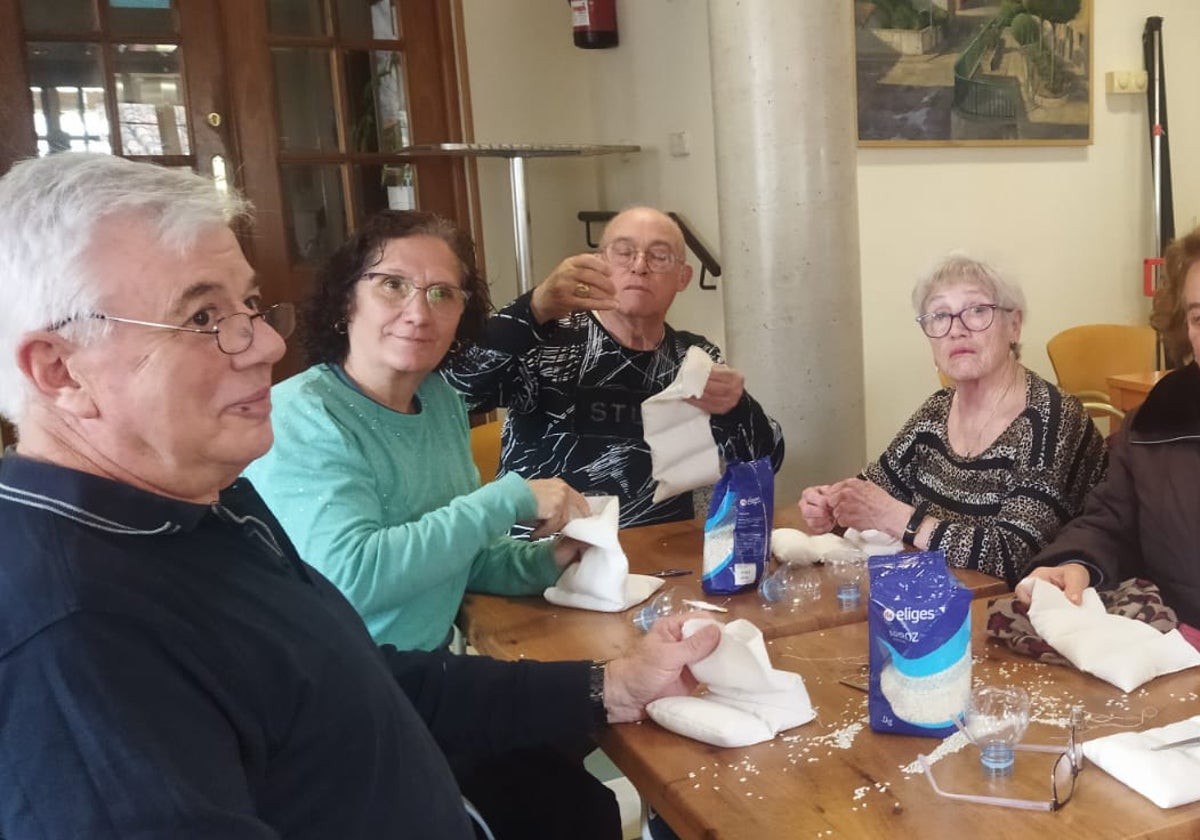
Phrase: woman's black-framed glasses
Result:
[976,318]
[234,333]
[1062,775]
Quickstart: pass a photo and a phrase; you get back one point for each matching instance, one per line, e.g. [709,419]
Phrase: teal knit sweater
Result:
[388,506]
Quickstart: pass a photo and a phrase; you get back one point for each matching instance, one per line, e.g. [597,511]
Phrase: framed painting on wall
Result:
[973,72]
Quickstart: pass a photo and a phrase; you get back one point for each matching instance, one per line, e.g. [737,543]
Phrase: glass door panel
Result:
[78,16]
[314,211]
[304,95]
[358,21]
[296,17]
[142,17]
[67,85]
[150,103]
[375,100]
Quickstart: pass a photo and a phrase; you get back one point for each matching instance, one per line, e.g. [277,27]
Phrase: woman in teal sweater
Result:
[371,471]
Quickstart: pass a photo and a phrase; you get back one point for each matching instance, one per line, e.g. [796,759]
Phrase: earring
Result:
[339,326]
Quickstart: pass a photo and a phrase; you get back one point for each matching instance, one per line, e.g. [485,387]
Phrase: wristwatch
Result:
[914,523]
[596,693]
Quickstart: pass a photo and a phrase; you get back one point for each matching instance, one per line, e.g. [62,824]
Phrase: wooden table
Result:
[834,777]
[531,628]
[1128,390]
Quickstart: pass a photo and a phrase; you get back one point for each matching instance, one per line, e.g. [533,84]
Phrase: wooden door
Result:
[324,93]
[301,104]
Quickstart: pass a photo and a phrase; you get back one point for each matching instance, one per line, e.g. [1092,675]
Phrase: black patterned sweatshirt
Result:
[574,395]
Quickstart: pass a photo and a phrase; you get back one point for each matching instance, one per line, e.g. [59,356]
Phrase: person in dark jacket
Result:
[1142,520]
[169,666]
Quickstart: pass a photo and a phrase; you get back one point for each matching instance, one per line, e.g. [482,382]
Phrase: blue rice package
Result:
[919,631]
[737,532]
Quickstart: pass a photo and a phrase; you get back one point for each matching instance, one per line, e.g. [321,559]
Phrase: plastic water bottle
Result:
[847,567]
[664,604]
[790,585]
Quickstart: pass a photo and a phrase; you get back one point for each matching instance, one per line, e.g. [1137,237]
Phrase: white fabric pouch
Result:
[790,545]
[874,543]
[683,455]
[1118,650]
[748,701]
[1168,778]
[601,580]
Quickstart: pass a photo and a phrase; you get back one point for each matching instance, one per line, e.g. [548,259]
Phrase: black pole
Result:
[1160,146]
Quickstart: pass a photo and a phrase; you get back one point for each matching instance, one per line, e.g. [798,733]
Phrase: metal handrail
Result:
[708,263]
[979,96]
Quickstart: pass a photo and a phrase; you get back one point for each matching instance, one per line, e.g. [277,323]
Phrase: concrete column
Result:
[784,107]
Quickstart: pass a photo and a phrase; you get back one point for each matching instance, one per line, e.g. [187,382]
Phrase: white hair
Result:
[958,268]
[49,210]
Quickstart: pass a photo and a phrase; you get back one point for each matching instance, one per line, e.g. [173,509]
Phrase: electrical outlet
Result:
[679,143]
[1125,81]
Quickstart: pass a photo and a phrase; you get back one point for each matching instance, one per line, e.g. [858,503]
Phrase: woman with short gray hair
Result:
[989,468]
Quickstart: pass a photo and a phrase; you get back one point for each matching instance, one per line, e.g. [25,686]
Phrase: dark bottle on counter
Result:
[595,23]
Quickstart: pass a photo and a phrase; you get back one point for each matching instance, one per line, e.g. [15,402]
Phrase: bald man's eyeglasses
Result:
[659,258]
[234,333]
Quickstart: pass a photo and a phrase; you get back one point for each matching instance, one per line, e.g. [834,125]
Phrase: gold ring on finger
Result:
[581,290]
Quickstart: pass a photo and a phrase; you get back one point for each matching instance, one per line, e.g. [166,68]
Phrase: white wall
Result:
[1071,223]
[529,83]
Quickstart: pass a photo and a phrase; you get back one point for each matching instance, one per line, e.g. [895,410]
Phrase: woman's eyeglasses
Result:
[1062,775]
[398,291]
[975,318]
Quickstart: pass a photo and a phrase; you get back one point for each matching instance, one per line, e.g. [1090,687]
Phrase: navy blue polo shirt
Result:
[175,670]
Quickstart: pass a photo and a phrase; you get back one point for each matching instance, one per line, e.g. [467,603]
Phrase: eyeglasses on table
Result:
[1062,776]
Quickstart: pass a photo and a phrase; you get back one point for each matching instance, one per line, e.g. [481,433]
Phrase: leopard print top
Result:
[998,508]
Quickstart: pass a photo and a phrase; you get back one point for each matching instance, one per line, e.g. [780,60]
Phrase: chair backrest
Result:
[485,449]
[1084,357]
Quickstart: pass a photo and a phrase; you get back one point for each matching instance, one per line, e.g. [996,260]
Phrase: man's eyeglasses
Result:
[659,258]
[398,291]
[234,333]
[1062,776]
[975,318]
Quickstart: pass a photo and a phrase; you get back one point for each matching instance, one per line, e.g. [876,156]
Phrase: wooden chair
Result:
[1084,357]
[485,448]
[1107,417]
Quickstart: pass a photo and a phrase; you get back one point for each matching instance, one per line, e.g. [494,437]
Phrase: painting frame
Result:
[966,77]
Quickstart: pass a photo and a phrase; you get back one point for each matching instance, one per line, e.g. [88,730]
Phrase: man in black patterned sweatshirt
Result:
[573,360]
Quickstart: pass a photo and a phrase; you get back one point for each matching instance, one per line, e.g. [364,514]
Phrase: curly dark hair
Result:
[323,315]
[1169,315]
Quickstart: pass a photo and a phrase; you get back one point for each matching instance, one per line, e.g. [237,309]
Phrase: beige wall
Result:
[1072,224]
[529,83]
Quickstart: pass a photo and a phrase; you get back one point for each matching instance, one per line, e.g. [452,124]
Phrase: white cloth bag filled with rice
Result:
[919,631]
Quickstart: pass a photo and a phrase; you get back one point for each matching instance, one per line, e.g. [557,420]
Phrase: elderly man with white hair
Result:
[169,667]
[574,359]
